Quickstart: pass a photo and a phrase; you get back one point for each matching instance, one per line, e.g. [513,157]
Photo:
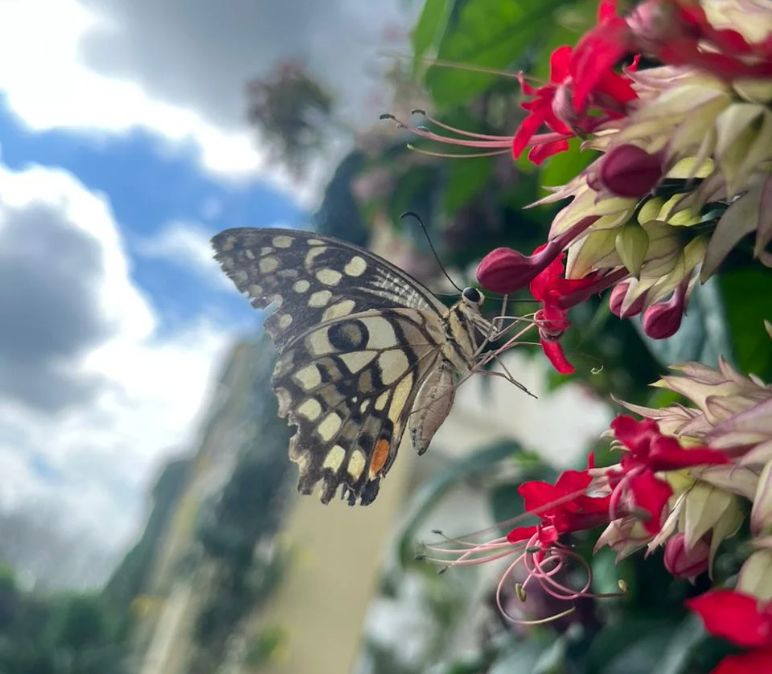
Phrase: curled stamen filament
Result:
[543,565]
[469,138]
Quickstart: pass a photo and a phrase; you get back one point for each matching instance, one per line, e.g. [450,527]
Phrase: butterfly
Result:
[365,352]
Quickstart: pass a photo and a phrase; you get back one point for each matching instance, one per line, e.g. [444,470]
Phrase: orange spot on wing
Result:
[380,454]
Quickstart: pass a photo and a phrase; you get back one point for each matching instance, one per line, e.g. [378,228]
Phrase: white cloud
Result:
[48,86]
[89,454]
[181,69]
[186,245]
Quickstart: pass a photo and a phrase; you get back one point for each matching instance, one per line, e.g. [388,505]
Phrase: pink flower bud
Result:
[662,320]
[617,298]
[683,563]
[653,22]
[505,270]
[629,171]
[563,106]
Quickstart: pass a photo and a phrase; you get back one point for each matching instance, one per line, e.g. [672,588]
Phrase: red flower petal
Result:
[755,662]
[607,9]
[547,536]
[633,434]
[565,504]
[528,127]
[596,54]
[557,357]
[667,454]
[539,153]
[560,60]
[735,616]
[548,277]
[573,480]
[650,494]
[521,534]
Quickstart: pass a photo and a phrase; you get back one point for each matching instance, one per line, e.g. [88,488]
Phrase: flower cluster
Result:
[685,167]
[676,99]
[686,477]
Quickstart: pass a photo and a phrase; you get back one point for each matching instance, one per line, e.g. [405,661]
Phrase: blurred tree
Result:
[292,112]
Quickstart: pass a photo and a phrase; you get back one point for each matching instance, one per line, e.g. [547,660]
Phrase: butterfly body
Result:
[365,351]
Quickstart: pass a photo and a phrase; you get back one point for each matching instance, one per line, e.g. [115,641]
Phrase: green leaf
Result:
[429,27]
[632,646]
[466,179]
[703,335]
[745,293]
[520,660]
[561,168]
[680,647]
[632,242]
[488,33]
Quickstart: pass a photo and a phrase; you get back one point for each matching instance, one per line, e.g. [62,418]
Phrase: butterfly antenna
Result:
[431,245]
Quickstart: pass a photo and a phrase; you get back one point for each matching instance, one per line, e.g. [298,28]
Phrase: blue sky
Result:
[149,187]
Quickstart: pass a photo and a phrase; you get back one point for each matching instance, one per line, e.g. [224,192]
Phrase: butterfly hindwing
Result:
[312,279]
[349,387]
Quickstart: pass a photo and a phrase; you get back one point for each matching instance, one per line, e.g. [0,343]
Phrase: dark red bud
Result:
[505,270]
[662,320]
[617,298]
[683,563]
[629,171]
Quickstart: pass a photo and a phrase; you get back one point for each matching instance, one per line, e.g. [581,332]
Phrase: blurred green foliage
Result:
[59,634]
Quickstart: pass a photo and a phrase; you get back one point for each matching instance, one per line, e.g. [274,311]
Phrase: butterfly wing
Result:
[313,279]
[349,387]
[357,337]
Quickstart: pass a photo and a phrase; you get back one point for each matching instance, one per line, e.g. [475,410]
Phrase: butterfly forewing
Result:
[357,338]
[312,279]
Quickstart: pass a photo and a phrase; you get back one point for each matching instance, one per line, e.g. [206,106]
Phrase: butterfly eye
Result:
[473,295]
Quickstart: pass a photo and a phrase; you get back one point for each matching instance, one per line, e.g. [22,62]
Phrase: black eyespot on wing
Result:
[348,335]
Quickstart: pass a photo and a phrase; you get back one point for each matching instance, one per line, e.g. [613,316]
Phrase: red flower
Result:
[736,616]
[742,619]
[596,54]
[545,535]
[551,104]
[650,495]
[505,270]
[635,487]
[541,112]
[565,504]
[650,448]
[557,294]
[676,33]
